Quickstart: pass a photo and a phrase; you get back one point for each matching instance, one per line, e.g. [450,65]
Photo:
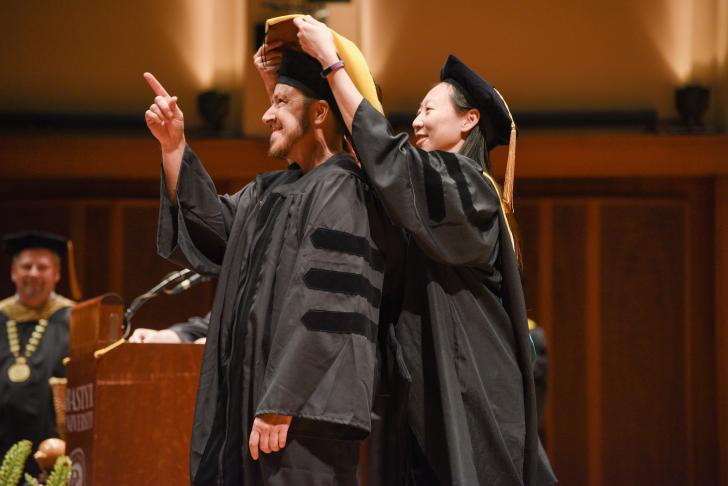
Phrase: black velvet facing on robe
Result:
[453,168]
[434,193]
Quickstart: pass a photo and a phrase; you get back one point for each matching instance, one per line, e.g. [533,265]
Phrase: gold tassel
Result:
[509,182]
[508,187]
[510,170]
[72,276]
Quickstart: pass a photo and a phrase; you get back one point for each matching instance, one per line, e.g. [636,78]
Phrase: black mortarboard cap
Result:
[24,240]
[495,117]
[303,72]
[494,114]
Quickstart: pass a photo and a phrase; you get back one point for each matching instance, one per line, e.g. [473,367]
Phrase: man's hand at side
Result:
[269,434]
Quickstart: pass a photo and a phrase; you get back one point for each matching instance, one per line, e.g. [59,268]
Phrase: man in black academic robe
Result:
[27,362]
[293,326]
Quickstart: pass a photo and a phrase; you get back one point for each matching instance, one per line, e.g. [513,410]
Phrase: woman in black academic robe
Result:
[461,336]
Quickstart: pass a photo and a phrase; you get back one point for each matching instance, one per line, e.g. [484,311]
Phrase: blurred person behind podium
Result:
[33,338]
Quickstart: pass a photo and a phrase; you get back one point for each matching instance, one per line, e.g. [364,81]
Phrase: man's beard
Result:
[283,147]
[32,289]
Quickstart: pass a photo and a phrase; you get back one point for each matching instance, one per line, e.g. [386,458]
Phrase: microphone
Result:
[185,284]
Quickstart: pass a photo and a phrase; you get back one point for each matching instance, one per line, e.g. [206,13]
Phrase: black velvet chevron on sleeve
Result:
[342,283]
[341,323]
[434,192]
[341,241]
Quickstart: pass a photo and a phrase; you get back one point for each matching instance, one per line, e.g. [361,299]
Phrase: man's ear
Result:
[472,117]
[320,109]
[14,274]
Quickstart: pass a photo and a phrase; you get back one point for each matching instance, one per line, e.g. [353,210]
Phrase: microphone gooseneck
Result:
[185,284]
[170,279]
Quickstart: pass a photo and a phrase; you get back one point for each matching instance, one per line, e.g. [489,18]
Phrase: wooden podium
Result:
[129,407]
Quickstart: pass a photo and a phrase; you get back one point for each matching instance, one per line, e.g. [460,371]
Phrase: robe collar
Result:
[342,159]
[18,312]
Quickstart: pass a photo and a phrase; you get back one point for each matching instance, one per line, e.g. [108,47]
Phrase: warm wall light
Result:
[691,102]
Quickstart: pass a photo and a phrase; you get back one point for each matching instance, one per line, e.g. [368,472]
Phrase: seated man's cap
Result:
[24,240]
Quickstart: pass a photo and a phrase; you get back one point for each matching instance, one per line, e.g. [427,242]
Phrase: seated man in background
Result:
[33,339]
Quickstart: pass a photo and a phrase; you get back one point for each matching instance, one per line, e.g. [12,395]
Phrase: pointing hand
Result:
[164,117]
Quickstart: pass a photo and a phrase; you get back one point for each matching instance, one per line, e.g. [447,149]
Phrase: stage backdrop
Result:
[624,240]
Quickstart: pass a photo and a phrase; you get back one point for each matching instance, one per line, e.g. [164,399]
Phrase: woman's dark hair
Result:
[475,148]
[474,145]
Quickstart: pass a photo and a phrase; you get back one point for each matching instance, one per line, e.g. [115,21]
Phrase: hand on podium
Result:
[142,335]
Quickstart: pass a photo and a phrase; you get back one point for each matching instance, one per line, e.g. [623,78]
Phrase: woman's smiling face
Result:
[438,126]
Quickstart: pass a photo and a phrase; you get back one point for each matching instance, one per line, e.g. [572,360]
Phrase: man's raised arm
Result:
[166,122]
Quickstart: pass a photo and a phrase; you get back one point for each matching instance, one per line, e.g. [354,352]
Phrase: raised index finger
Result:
[155,85]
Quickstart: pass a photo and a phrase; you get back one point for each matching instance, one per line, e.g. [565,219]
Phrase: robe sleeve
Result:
[442,199]
[194,232]
[195,328]
[321,366]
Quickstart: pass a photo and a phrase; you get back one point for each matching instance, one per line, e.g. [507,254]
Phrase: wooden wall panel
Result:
[528,222]
[625,284]
[94,251]
[567,400]
[721,323]
[143,268]
[643,345]
[701,326]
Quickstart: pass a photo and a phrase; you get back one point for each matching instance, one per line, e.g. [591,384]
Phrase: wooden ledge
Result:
[538,156]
